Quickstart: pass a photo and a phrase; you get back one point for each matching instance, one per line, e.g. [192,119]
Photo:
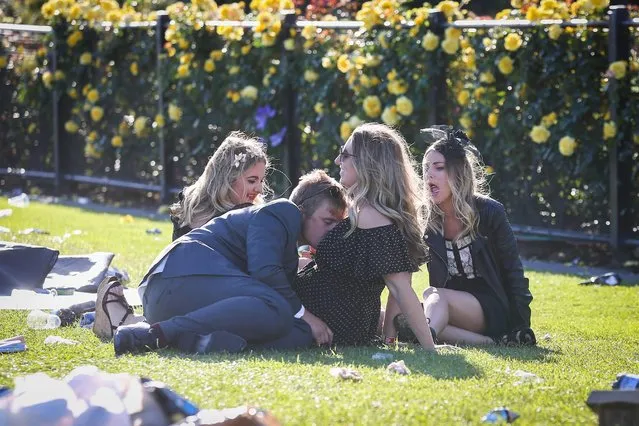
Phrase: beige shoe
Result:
[111,308]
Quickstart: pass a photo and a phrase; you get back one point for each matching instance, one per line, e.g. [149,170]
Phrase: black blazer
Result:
[496,258]
[259,242]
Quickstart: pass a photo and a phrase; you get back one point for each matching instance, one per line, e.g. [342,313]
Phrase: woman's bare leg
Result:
[456,316]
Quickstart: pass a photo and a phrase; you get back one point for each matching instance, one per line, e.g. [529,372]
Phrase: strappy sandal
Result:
[104,326]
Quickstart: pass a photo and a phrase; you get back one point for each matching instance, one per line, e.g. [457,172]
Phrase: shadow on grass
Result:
[535,353]
[446,365]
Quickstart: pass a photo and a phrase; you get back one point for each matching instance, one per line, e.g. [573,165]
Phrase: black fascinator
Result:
[452,143]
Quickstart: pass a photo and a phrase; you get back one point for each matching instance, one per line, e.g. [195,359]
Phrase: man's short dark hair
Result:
[314,188]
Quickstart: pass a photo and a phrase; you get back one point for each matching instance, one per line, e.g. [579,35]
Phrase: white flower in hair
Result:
[239,158]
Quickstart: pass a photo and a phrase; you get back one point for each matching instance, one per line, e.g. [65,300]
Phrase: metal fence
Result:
[618,26]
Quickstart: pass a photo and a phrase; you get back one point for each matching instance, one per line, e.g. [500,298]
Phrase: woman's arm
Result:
[399,285]
[511,269]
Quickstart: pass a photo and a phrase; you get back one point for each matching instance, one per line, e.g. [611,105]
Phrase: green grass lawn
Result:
[593,335]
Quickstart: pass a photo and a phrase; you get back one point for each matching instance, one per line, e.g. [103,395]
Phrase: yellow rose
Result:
[133,68]
[600,4]
[343,64]
[397,87]
[47,78]
[327,62]
[404,106]
[159,121]
[549,119]
[73,93]
[249,92]
[93,96]
[3,62]
[609,130]
[567,146]
[318,108]
[74,38]
[345,130]
[479,92]
[489,170]
[618,69]
[175,112]
[430,41]
[450,45]
[310,76]
[91,151]
[534,14]
[71,126]
[555,31]
[309,32]
[234,70]
[516,4]
[392,74]
[465,121]
[512,42]
[372,106]
[390,116]
[97,113]
[85,58]
[448,7]
[493,119]
[463,97]
[245,49]
[139,125]
[183,71]
[289,44]
[116,141]
[216,55]
[487,77]
[209,65]
[452,32]
[91,137]
[505,65]
[539,134]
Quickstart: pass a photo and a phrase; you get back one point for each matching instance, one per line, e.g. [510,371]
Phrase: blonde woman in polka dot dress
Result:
[379,245]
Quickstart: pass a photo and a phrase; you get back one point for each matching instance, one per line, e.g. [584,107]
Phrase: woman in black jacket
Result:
[478,293]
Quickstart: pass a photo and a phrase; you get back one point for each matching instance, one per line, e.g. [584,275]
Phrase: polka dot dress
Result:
[344,284]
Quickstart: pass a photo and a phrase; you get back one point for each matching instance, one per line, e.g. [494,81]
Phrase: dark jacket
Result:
[495,257]
[258,242]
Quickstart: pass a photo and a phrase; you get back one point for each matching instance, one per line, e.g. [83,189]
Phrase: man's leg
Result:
[300,337]
[187,309]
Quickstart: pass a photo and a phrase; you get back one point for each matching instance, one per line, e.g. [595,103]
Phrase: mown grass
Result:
[592,334]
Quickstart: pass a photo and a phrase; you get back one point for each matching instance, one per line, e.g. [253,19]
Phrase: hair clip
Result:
[239,158]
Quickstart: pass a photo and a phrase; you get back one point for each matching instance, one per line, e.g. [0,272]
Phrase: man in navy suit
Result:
[227,285]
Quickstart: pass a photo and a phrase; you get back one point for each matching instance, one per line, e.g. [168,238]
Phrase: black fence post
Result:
[620,167]
[437,94]
[161,24]
[55,125]
[293,137]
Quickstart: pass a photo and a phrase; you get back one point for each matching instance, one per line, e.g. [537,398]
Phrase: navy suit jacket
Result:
[258,242]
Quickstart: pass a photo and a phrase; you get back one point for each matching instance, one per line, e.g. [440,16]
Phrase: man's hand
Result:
[321,333]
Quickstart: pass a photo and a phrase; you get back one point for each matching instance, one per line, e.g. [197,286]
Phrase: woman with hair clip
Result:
[379,244]
[478,292]
[233,177]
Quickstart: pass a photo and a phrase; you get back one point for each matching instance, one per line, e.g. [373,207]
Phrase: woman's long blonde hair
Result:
[387,180]
[466,178]
[210,195]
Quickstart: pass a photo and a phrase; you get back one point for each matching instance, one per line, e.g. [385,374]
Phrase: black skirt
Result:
[495,315]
